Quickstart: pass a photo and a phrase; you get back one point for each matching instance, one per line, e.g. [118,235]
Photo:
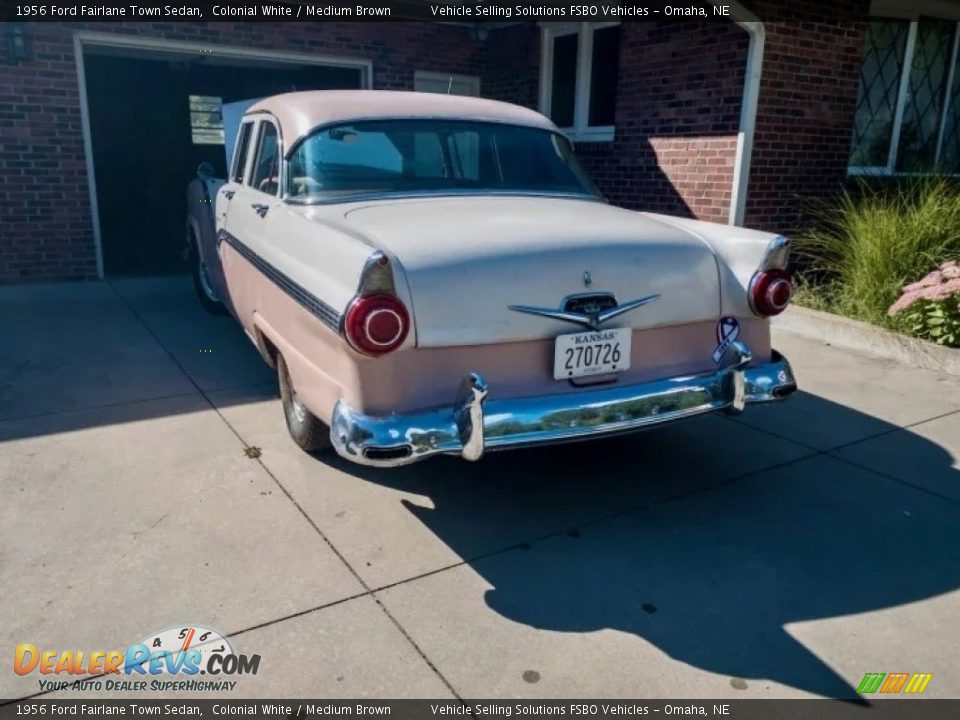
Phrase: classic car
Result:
[434,274]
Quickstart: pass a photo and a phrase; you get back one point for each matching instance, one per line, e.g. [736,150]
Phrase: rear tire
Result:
[307,431]
[201,282]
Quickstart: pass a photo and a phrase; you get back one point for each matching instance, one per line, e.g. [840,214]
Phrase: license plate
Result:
[591,353]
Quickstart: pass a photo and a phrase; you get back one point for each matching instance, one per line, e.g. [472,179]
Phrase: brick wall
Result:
[46,231]
[805,116]
[678,109]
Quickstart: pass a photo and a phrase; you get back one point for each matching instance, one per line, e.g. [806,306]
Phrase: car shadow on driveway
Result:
[716,574]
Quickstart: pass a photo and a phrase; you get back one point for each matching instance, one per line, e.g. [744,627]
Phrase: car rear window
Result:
[432,156]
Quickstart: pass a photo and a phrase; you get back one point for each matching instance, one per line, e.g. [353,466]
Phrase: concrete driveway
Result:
[784,553]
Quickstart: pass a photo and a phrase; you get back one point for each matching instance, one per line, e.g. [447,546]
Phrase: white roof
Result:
[300,112]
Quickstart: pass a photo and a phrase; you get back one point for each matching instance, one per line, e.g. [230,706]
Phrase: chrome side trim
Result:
[474,424]
[326,314]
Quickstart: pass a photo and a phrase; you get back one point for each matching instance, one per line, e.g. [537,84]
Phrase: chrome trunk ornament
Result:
[590,315]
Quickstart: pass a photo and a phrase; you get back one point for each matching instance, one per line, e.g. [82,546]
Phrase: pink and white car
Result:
[436,274]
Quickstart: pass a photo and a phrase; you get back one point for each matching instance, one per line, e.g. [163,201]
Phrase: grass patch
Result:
[872,242]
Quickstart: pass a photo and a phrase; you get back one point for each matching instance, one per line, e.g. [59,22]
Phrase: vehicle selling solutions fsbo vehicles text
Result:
[598,11]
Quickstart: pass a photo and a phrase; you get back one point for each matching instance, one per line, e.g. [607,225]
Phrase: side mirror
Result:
[205,171]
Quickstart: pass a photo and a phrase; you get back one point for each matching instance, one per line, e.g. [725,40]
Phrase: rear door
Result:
[238,169]
[259,190]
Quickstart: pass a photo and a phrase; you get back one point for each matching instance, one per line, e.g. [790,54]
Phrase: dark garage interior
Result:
[147,143]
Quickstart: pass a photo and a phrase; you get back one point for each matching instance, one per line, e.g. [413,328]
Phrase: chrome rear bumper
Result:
[473,424]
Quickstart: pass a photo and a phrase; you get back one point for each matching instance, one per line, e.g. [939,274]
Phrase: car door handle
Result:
[261,209]
[228,194]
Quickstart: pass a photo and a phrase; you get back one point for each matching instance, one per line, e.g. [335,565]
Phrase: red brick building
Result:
[732,121]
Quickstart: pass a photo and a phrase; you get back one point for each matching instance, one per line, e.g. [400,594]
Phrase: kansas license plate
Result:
[591,353]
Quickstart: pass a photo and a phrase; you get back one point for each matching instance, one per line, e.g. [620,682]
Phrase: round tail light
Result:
[376,324]
[770,292]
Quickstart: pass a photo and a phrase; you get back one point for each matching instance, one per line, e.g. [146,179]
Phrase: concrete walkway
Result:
[784,553]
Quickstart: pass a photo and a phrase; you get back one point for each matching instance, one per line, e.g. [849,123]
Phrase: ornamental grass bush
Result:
[873,242]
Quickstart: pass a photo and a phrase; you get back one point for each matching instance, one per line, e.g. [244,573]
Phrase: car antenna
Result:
[450,85]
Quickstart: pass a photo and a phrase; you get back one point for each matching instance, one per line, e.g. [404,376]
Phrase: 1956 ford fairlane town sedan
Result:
[437,274]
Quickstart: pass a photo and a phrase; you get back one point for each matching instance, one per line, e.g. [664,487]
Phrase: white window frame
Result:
[426,75]
[253,155]
[246,157]
[581,131]
[890,168]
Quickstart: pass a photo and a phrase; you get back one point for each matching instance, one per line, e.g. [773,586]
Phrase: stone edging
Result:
[843,332]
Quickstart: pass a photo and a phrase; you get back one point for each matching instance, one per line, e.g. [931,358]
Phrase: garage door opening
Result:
[153,118]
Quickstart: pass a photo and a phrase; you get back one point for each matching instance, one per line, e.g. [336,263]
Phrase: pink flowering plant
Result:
[930,308]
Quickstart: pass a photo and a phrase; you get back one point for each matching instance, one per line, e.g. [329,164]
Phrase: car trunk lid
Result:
[468,260]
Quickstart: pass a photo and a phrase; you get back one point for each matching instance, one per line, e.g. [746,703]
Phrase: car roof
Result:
[300,112]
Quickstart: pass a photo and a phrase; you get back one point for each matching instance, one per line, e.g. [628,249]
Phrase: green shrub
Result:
[873,241]
[937,321]
[930,307]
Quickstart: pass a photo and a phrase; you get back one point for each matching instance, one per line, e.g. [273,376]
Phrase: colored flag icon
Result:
[894,683]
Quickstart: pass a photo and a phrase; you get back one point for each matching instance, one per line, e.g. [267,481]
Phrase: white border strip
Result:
[88,151]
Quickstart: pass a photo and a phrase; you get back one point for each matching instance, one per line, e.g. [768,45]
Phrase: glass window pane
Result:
[879,87]
[240,156]
[603,75]
[206,119]
[427,160]
[465,153]
[563,80]
[924,107]
[266,169]
[950,152]
[432,156]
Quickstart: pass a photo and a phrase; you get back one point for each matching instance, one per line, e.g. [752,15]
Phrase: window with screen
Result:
[206,119]
[909,98]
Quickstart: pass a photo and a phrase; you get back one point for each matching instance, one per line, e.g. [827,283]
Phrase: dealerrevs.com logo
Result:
[190,658]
